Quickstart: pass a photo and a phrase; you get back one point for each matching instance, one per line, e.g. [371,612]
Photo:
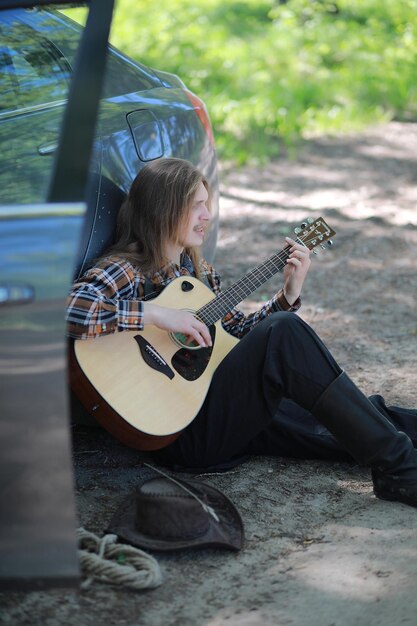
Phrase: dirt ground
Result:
[320,549]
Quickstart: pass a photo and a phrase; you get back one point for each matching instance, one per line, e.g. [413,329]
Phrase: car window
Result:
[122,77]
[32,70]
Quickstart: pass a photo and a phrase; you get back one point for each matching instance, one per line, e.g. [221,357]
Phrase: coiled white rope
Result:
[102,560]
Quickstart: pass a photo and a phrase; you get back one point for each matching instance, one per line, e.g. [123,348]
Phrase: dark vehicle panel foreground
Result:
[38,246]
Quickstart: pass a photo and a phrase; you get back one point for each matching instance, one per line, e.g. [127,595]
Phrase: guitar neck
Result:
[241,289]
[311,234]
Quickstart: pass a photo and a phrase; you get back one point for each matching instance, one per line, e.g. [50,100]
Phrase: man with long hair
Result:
[279,371]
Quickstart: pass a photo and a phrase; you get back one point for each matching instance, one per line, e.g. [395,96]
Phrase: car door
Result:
[37,517]
[38,246]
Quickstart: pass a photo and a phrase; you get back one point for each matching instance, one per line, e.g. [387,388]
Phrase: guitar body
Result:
[146,386]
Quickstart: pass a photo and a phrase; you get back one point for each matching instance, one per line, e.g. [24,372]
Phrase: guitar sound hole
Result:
[184,341]
[190,362]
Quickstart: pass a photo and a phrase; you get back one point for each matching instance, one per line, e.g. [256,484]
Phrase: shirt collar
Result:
[186,263]
[171,270]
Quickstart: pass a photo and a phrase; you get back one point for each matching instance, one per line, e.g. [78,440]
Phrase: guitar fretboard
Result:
[225,301]
[314,234]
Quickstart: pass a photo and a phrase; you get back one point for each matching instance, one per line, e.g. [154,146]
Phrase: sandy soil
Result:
[320,549]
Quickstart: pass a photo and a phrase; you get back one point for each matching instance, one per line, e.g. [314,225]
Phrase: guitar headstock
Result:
[314,232]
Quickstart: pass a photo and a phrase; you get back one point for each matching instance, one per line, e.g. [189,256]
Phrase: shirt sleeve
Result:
[236,322]
[103,302]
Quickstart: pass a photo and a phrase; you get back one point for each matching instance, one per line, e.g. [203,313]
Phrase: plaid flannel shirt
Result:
[109,297]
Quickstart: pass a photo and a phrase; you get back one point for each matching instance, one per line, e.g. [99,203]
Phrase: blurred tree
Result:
[273,71]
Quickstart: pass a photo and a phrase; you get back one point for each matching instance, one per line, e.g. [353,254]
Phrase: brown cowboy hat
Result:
[165,513]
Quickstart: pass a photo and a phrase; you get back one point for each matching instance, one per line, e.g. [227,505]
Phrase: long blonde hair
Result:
[158,204]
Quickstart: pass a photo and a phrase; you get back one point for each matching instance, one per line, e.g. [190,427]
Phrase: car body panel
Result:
[38,247]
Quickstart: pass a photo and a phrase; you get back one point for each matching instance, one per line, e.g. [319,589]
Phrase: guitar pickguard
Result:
[191,363]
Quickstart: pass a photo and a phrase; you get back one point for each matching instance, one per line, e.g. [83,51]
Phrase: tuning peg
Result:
[304,225]
[310,220]
[297,230]
[330,242]
[315,251]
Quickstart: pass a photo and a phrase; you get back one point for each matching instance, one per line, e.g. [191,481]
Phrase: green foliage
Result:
[272,71]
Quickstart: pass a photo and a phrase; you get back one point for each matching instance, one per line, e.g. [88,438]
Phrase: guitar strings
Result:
[237,292]
[214,309]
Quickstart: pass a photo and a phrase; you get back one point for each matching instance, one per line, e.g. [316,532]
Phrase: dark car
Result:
[144,114]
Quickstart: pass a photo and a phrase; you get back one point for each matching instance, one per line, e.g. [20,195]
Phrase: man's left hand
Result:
[295,271]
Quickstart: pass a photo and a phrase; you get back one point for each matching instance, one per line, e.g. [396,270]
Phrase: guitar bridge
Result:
[153,358]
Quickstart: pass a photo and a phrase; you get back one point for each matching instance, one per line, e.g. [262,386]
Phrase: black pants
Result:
[259,402]
[281,357]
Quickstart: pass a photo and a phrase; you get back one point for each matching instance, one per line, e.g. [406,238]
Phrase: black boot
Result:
[371,439]
[403,419]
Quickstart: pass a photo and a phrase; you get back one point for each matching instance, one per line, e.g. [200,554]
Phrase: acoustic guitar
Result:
[146,386]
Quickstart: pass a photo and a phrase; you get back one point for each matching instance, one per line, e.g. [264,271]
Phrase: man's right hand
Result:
[177,321]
